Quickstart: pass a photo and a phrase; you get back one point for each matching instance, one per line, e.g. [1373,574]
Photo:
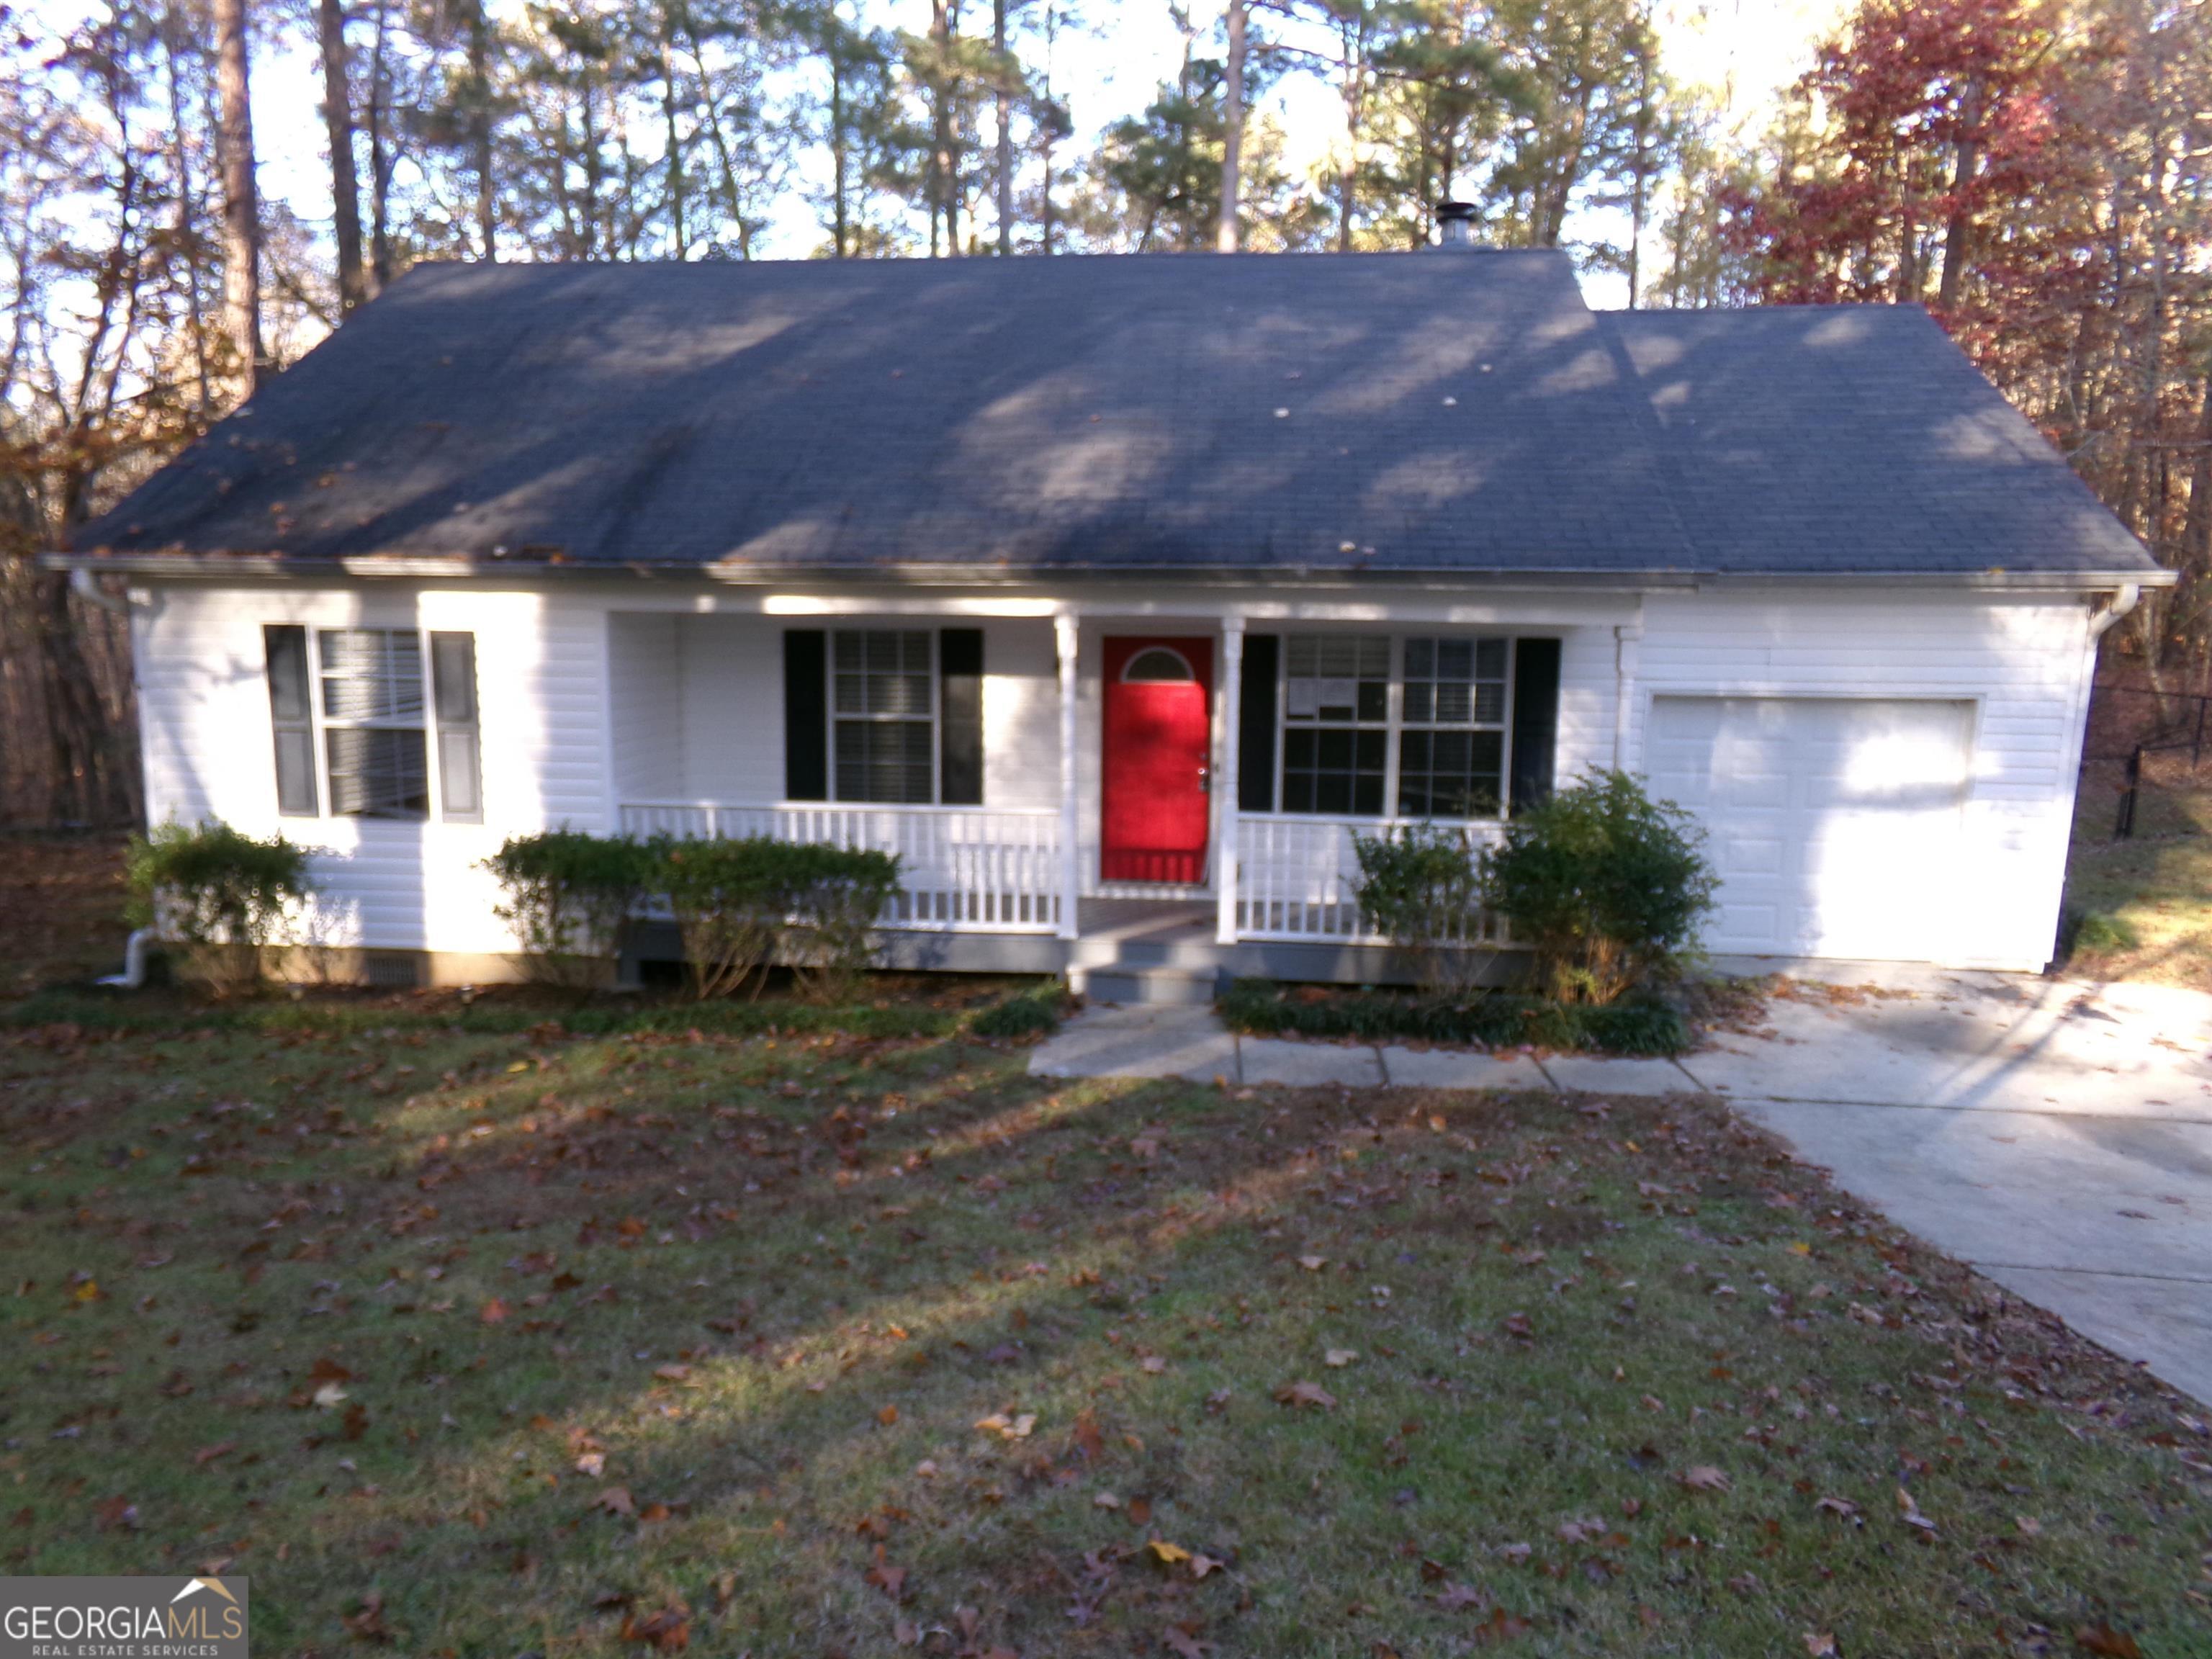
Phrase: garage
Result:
[1834,821]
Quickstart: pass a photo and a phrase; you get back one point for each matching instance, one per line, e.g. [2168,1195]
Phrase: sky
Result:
[1739,52]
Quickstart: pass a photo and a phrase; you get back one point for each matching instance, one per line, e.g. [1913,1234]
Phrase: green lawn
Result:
[473,1338]
[2156,886]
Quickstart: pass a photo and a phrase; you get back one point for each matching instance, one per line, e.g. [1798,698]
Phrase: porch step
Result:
[1128,982]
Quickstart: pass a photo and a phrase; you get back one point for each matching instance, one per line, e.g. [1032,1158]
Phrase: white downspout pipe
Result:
[133,975]
[2125,597]
[86,586]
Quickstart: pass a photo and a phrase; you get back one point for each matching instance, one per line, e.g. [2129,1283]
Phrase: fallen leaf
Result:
[671,1373]
[1106,1500]
[1202,1565]
[1008,1428]
[888,1416]
[366,1622]
[209,1454]
[493,1312]
[1313,1264]
[1703,1477]
[886,1577]
[2028,1525]
[328,1396]
[1500,1626]
[1182,1642]
[117,1511]
[1338,1358]
[1455,1597]
[1819,1644]
[1168,1553]
[593,1464]
[1909,1512]
[2104,1640]
[1305,1394]
[1840,1506]
[668,1631]
[615,1500]
[1152,1364]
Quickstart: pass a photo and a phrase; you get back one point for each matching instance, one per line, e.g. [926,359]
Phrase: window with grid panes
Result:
[373,735]
[1451,741]
[883,708]
[1336,723]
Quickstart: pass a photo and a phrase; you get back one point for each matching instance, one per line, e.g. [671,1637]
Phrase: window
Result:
[1158,665]
[372,709]
[1451,750]
[1336,724]
[883,712]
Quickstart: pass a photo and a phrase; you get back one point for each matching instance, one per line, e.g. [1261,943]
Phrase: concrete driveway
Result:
[2056,1135]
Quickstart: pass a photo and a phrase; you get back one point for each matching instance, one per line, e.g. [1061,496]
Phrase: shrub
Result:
[2095,932]
[568,896]
[1495,1019]
[1422,890]
[1606,885]
[833,896]
[220,894]
[1030,1013]
[730,899]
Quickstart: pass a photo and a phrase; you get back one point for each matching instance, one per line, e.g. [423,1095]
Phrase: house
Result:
[1115,594]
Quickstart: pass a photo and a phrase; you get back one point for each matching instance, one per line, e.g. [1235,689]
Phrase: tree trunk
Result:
[2196,528]
[175,35]
[675,157]
[337,126]
[942,171]
[1232,132]
[1005,113]
[241,213]
[838,141]
[1958,229]
[480,127]
[380,164]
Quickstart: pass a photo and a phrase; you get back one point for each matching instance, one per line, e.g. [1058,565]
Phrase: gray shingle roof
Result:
[1853,438]
[1444,412]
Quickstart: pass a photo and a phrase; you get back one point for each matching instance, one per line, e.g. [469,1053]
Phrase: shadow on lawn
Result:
[765,1312]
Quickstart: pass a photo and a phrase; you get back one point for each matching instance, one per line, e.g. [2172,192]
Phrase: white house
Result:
[1115,594]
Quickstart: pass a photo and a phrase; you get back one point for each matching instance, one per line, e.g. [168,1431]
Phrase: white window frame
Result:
[1396,723]
[934,678]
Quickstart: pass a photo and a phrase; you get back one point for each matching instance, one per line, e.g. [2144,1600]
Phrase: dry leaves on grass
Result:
[668,1630]
[1909,1512]
[1299,1394]
[1703,1477]
[1008,1428]
[365,1623]
[2106,1643]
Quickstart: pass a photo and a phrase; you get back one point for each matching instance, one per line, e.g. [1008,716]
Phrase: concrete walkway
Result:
[2056,1135]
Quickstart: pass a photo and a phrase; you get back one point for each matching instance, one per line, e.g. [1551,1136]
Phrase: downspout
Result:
[86,586]
[1627,637]
[2124,598]
[133,975]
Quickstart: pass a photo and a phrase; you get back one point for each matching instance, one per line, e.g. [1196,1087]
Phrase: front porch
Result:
[1101,795]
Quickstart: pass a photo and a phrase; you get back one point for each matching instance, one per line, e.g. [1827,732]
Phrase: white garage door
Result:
[1834,821]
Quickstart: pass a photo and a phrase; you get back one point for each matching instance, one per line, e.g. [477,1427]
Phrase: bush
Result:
[833,896]
[1422,890]
[1495,1019]
[730,899]
[2095,932]
[568,896]
[1031,1013]
[1606,885]
[220,894]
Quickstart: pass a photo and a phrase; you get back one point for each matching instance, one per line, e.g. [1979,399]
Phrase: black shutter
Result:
[291,712]
[1535,721]
[960,717]
[1255,724]
[806,714]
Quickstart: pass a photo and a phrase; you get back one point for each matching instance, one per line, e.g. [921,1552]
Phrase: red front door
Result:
[1160,697]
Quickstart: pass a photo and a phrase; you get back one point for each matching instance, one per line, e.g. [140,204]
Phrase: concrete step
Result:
[1110,951]
[1133,983]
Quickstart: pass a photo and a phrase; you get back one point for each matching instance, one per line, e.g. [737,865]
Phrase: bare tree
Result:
[1232,134]
[242,210]
[337,125]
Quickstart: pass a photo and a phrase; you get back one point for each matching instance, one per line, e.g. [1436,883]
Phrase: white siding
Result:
[2021,663]
[540,671]
[645,675]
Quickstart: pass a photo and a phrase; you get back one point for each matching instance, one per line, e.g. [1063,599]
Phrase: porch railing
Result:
[963,869]
[1297,878]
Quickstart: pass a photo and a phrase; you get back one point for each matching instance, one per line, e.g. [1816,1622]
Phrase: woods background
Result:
[2039,175]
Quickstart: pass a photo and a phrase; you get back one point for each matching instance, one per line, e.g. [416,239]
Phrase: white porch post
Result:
[1071,854]
[1227,873]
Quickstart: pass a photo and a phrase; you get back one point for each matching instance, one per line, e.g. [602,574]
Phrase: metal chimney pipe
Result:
[1456,224]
